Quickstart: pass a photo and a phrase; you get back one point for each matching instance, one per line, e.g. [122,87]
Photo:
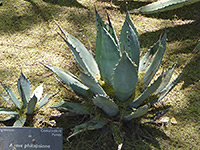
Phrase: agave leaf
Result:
[166,90]
[148,57]
[12,95]
[111,30]
[109,27]
[106,104]
[98,50]
[152,69]
[125,78]
[166,78]
[70,80]
[99,22]
[109,57]
[138,113]
[152,88]
[44,101]
[6,98]
[130,43]
[82,56]
[73,107]
[90,125]
[163,5]
[31,105]
[24,89]
[93,85]
[38,92]
[8,111]
[19,122]
[129,21]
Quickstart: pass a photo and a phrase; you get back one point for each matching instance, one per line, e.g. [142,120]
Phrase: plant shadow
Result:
[67,3]
[16,19]
[122,6]
[102,139]
[191,72]
[188,34]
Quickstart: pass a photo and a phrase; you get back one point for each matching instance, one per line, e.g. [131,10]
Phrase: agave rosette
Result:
[114,77]
[26,106]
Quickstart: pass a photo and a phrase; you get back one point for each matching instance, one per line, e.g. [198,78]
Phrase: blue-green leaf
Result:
[166,90]
[24,89]
[162,5]
[138,113]
[148,57]
[73,107]
[12,95]
[130,43]
[111,30]
[99,22]
[110,56]
[152,69]
[125,78]
[69,80]
[8,111]
[9,114]
[43,101]
[152,88]
[129,21]
[6,98]
[106,104]
[19,122]
[98,50]
[31,105]
[82,56]
[93,84]
[90,125]
[166,78]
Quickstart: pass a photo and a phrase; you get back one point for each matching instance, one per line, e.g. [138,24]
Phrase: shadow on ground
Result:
[102,139]
[188,35]
[19,16]
[67,3]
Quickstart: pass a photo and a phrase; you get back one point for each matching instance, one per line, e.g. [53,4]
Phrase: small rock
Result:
[164,120]
[173,120]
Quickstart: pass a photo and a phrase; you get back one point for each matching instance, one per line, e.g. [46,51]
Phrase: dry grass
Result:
[28,35]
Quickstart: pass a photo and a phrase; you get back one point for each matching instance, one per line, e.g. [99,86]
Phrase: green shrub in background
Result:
[116,85]
[27,106]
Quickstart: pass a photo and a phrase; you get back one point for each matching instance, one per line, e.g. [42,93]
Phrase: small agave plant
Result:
[119,87]
[28,105]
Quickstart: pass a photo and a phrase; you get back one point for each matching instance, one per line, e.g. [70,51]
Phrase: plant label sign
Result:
[17,138]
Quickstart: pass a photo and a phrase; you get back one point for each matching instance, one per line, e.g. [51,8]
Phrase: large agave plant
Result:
[117,84]
[28,105]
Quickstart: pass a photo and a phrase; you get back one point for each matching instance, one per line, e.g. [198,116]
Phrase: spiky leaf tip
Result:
[24,89]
